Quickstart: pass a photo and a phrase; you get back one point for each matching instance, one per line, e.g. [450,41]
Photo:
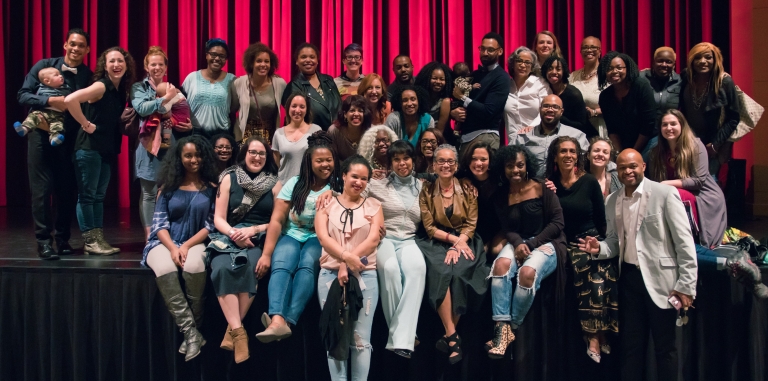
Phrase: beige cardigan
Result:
[241,101]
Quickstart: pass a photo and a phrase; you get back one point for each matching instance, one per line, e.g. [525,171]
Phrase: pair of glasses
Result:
[354,58]
[588,48]
[551,107]
[484,49]
[449,162]
[384,141]
[223,148]
[257,153]
[220,56]
[616,68]
[525,63]
[432,142]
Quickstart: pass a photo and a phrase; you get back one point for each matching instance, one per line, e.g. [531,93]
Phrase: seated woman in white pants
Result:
[401,268]
[181,223]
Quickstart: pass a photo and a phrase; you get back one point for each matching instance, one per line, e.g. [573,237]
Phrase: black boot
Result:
[170,289]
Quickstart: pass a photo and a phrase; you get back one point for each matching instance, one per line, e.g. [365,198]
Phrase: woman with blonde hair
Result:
[374,90]
[707,93]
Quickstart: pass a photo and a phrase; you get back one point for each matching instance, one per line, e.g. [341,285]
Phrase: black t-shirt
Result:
[583,206]
[105,114]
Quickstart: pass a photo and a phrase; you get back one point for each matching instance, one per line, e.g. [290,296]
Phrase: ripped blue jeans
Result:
[543,260]
[360,358]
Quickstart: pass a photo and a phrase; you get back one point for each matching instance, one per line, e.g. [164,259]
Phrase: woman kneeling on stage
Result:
[181,223]
[243,207]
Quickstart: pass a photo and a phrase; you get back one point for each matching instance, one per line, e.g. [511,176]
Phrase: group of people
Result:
[353,191]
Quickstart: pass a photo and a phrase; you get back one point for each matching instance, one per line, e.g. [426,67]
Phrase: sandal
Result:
[455,348]
[442,345]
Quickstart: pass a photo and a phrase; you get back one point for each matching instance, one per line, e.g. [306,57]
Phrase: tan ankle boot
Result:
[103,242]
[240,343]
[226,343]
[92,246]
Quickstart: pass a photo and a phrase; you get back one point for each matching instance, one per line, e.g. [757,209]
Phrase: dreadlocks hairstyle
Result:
[717,74]
[684,155]
[552,171]
[318,140]
[605,63]
[172,171]
[270,165]
[549,62]
[421,95]
[130,69]
[424,77]
[508,154]
[466,159]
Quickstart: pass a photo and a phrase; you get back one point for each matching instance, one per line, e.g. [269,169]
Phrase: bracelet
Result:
[453,248]
[229,233]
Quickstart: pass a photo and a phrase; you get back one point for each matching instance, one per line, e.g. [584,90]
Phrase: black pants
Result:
[637,316]
[51,172]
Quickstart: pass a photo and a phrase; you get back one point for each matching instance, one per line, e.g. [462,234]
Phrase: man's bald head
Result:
[552,99]
[630,166]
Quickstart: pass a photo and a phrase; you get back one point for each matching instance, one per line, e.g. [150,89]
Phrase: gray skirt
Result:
[227,280]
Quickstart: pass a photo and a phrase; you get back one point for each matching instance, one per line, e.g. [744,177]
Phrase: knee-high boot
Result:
[170,289]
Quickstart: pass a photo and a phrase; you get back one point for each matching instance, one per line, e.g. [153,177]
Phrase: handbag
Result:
[129,122]
[749,114]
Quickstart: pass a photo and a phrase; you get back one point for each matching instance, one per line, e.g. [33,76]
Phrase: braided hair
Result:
[318,140]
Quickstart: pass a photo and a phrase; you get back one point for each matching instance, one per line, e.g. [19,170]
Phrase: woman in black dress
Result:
[555,71]
[243,208]
[455,258]
[584,213]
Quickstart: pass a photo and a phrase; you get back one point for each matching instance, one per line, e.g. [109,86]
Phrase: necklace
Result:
[698,100]
[587,77]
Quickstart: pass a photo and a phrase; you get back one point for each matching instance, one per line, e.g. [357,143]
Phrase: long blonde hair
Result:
[717,74]
[685,153]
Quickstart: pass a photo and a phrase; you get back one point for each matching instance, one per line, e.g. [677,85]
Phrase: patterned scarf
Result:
[254,189]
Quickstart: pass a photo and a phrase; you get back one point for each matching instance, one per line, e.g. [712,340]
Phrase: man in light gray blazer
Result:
[649,230]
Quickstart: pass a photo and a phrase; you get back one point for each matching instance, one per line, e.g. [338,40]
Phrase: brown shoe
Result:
[92,245]
[103,242]
[240,344]
[226,343]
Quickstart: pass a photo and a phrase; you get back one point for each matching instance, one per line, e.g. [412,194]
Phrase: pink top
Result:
[351,234]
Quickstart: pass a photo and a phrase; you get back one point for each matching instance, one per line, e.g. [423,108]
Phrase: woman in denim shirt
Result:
[144,100]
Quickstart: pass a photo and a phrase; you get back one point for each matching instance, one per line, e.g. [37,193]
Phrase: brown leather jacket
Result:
[464,218]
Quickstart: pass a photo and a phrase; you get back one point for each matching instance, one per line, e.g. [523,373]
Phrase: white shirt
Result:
[629,212]
[522,107]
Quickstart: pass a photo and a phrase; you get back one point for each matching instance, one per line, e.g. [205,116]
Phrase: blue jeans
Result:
[711,261]
[361,350]
[92,180]
[294,265]
[543,260]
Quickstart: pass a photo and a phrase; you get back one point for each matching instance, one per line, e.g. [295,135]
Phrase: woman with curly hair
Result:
[181,223]
[256,95]
[373,147]
[291,243]
[532,222]
[555,71]
[425,150]
[595,282]
[226,149]
[709,102]
[353,120]
[98,141]
[411,116]
[628,104]
[374,90]
[437,79]
[243,209]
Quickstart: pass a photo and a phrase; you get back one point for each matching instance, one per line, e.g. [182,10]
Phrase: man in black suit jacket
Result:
[484,107]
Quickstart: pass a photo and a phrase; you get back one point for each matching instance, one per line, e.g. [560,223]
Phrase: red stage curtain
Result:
[445,30]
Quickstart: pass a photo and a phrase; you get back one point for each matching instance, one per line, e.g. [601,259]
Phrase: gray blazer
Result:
[665,248]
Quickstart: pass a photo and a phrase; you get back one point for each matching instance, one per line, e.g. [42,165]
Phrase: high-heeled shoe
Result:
[605,348]
[502,338]
[455,348]
[595,356]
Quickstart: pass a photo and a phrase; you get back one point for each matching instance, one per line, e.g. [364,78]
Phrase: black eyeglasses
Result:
[586,48]
[354,58]
[220,56]
[223,148]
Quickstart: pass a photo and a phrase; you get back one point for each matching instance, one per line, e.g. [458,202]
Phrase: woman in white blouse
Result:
[525,94]
[585,79]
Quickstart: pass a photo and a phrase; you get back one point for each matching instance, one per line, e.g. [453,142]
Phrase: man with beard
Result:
[648,229]
[349,81]
[402,66]
[537,139]
[483,109]
[51,170]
